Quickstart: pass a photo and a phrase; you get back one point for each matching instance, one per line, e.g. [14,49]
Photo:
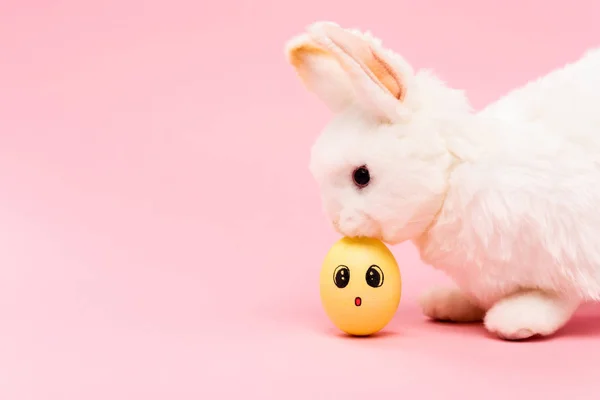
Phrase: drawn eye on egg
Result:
[374,276]
[341,276]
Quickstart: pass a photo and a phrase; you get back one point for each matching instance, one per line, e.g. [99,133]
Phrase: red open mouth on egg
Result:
[357,301]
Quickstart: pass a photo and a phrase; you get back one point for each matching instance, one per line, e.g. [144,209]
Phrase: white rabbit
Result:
[506,201]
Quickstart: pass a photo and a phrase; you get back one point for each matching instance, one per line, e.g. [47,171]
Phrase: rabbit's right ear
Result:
[321,72]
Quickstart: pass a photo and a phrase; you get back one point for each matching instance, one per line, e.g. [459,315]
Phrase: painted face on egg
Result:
[360,285]
[374,278]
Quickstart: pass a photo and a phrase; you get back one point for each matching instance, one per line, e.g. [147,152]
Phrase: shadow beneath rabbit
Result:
[584,324]
[459,328]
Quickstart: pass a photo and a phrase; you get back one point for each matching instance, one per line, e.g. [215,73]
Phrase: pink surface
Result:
[161,236]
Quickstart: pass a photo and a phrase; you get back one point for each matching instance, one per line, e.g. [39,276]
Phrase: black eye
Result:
[361,176]
[374,276]
[341,276]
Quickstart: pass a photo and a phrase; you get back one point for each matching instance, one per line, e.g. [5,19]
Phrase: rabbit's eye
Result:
[361,176]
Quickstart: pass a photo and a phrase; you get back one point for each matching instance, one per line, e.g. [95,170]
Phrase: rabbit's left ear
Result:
[359,70]
[321,72]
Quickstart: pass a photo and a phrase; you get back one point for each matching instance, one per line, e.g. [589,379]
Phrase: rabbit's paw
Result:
[450,304]
[527,314]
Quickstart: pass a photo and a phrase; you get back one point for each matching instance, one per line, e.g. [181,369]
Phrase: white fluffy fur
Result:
[506,201]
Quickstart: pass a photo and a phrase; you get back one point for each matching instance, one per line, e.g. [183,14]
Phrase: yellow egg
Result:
[360,285]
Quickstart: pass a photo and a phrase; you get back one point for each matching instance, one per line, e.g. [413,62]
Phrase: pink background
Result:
[161,236]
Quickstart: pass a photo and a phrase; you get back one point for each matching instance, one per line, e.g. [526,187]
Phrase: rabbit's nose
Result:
[336,222]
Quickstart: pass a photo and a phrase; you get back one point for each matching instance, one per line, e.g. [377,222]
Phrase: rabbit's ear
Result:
[345,67]
[321,72]
[380,84]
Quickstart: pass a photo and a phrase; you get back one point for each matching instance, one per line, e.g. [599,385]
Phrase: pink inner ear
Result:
[380,72]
